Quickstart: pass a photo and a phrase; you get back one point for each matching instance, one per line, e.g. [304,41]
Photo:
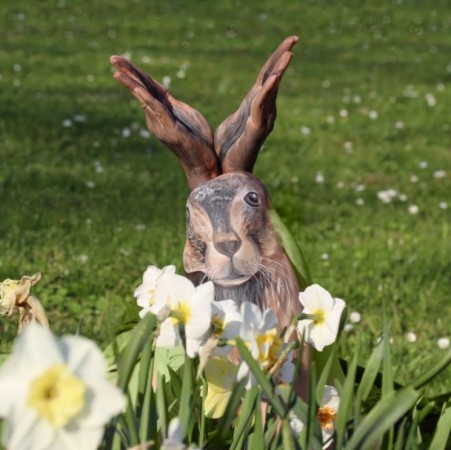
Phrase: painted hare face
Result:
[226,222]
[230,238]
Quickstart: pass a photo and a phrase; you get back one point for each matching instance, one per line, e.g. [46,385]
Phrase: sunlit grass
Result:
[365,104]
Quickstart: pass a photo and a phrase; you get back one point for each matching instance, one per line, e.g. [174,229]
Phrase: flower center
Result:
[319,316]
[217,324]
[152,297]
[57,395]
[181,313]
[326,416]
[269,345]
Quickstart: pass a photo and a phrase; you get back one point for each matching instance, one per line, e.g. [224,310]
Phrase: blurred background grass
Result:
[89,199]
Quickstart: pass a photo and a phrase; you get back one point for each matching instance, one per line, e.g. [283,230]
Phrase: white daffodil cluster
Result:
[259,333]
[189,315]
[54,393]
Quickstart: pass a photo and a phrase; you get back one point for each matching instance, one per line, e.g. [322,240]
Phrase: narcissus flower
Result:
[321,327]
[221,378]
[259,333]
[327,412]
[145,292]
[15,295]
[226,322]
[174,439]
[188,306]
[54,393]
[326,416]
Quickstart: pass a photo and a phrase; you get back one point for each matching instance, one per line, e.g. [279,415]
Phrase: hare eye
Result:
[252,199]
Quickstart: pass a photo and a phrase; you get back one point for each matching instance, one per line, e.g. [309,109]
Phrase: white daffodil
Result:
[326,416]
[321,328]
[145,292]
[226,321]
[259,333]
[221,378]
[189,306]
[174,439]
[54,393]
[327,413]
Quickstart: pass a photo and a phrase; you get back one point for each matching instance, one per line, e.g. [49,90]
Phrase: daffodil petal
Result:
[169,335]
[173,288]
[215,403]
[33,342]
[83,357]
[103,400]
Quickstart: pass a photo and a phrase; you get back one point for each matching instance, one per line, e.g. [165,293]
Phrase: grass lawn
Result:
[90,200]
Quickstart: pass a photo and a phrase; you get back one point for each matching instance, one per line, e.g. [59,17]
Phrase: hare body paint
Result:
[230,241]
[230,238]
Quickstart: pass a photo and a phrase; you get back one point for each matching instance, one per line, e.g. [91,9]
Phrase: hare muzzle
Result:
[223,229]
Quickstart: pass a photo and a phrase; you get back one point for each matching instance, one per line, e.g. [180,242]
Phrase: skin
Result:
[230,238]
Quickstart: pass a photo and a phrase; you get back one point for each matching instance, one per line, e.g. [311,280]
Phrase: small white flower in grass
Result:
[166,81]
[349,146]
[399,125]
[387,196]
[413,209]
[83,258]
[319,178]
[443,205]
[322,328]
[305,130]
[413,179]
[348,328]
[360,201]
[373,115]
[189,306]
[355,317]
[330,120]
[327,412]
[55,394]
[430,99]
[259,333]
[443,343]
[422,164]
[411,337]
[79,118]
[343,113]
[145,292]
[90,184]
[144,133]
[126,132]
[67,123]
[439,174]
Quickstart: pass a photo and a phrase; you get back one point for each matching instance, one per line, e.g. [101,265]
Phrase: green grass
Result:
[352,56]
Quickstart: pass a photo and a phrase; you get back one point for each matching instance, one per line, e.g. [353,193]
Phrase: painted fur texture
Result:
[230,238]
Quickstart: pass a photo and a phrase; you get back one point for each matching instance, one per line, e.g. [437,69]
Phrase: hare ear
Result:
[181,128]
[238,139]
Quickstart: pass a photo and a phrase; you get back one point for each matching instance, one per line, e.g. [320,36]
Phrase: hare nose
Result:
[228,246]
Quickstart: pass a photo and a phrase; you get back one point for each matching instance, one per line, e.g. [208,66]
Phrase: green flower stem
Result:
[202,413]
